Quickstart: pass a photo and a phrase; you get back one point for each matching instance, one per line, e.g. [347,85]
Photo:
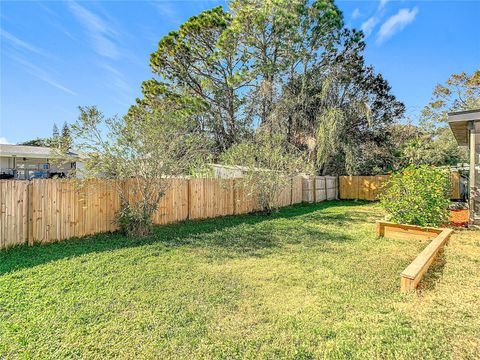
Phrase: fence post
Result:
[189,194]
[326,188]
[291,191]
[337,181]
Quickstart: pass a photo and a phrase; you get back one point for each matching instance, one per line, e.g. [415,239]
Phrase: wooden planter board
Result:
[413,273]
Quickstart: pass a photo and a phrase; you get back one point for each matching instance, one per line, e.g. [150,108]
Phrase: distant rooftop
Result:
[459,121]
[30,151]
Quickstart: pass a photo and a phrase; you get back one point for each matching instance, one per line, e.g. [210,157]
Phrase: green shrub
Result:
[134,221]
[417,195]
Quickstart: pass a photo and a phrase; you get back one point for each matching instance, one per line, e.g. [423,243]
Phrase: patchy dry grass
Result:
[307,282]
[449,298]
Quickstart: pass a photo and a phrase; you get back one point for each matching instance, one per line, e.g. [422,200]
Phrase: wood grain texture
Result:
[297,189]
[308,191]
[14,212]
[418,267]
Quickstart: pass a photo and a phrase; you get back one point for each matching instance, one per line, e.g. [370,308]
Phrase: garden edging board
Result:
[413,273]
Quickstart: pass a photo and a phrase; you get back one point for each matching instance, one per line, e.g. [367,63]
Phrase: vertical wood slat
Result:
[245,202]
[3,193]
[174,205]
[210,198]
[297,189]
[14,213]
[320,188]
[360,187]
[308,189]
[284,196]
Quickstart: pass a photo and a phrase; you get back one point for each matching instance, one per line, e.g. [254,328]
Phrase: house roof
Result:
[459,123]
[8,150]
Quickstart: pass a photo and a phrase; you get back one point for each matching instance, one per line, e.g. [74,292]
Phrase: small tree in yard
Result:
[418,195]
[269,162]
[141,151]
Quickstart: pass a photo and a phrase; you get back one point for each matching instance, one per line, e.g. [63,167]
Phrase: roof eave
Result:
[37,156]
[459,124]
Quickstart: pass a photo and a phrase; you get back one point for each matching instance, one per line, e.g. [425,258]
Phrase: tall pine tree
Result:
[66,139]
[55,140]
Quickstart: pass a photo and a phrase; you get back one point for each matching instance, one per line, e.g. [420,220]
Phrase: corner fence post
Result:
[337,187]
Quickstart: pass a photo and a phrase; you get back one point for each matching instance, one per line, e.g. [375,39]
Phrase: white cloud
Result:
[23,45]
[117,80]
[41,74]
[396,23]
[55,20]
[355,13]
[382,3]
[100,32]
[120,89]
[368,26]
[3,140]
[169,12]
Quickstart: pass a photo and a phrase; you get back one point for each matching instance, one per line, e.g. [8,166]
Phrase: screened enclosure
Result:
[465,126]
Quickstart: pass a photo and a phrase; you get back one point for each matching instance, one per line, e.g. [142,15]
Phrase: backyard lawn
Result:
[307,282]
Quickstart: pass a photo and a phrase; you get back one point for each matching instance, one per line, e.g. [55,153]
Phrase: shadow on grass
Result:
[217,234]
[434,273]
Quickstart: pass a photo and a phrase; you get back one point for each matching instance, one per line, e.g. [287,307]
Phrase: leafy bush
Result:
[134,221]
[418,195]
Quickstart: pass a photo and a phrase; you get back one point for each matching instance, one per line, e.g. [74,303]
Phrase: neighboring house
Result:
[29,162]
[465,126]
[227,172]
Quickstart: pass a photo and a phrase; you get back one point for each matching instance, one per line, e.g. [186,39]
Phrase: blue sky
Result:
[57,55]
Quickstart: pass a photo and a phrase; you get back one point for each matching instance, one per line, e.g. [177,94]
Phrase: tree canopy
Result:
[433,143]
[290,67]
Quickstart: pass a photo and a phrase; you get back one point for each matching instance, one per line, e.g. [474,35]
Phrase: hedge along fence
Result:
[369,187]
[51,210]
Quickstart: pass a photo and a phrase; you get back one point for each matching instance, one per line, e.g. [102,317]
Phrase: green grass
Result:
[307,282]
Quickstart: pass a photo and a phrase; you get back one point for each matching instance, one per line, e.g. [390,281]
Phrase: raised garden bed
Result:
[413,273]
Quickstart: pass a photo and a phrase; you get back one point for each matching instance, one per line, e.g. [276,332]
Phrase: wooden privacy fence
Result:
[319,188]
[50,210]
[369,187]
[360,187]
